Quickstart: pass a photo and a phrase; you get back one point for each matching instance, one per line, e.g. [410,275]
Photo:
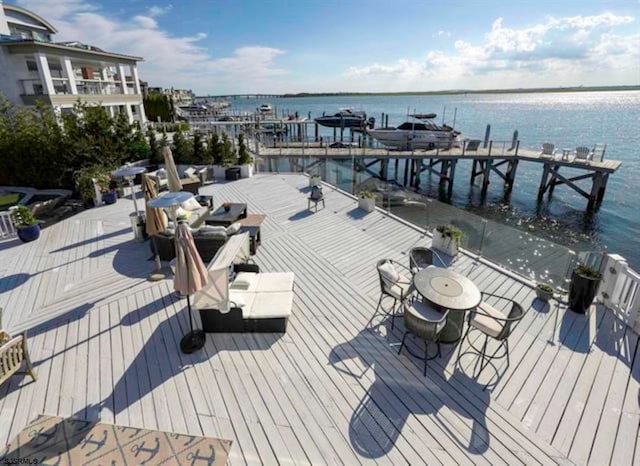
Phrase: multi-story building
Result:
[33,67]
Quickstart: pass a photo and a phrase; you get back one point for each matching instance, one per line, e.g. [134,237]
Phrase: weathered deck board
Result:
[332,389]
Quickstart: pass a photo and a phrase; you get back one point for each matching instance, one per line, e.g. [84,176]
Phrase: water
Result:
[565,119]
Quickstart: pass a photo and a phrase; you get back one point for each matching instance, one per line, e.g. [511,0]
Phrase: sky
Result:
[221,47]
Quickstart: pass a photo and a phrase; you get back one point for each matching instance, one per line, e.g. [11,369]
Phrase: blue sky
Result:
[238,46]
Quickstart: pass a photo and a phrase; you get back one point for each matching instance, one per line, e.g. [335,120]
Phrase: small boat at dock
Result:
[421,133]
[345,118]
[265,109]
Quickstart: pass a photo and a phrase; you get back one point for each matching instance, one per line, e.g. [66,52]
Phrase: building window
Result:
[31,65]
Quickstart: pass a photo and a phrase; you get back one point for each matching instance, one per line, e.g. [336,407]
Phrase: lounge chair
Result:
[548,150]
[472,145]
[583,154]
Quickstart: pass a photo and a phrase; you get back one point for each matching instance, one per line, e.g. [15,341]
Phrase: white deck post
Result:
[44,73]
[68,72]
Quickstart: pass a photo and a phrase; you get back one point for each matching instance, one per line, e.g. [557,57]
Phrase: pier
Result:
[490,159]
[486,162]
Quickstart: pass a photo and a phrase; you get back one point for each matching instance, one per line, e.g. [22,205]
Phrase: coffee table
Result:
[223,217]
[251,224]
[447,289]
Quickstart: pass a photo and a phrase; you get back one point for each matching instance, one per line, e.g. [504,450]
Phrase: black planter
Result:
[582,292]
[30,233]
[110,197]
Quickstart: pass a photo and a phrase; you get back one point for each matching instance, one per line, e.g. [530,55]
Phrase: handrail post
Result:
[517,147]
[490,146]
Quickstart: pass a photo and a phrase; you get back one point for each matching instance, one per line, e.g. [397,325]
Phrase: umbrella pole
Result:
[158,274]
[194,340]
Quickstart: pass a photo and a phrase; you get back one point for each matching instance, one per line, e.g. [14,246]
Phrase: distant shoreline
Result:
[535,90]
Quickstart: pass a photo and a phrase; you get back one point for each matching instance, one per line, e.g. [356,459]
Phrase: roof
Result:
[32,15]
[31,46]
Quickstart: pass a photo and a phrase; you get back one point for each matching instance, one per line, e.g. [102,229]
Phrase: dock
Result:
[332,390]
[493,159]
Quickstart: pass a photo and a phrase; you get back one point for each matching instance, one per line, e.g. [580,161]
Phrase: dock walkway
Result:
[333,389]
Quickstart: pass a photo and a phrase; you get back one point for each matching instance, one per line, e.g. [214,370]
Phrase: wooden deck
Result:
[332,390]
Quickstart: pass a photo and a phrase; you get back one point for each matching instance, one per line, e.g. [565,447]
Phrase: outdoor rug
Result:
[55,440]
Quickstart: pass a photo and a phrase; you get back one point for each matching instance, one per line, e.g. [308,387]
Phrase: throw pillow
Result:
[191,205]
[233,228]
[213,229]
[189,172]
[389,272]
[182,213]
[161,173]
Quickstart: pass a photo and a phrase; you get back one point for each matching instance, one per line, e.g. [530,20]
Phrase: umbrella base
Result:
[192,341]
[158,275]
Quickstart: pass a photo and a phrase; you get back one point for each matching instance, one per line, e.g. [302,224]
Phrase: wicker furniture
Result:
[450,290]
[494,324]
[13,353]
[398,288]
[251,224]
[316,197]
[425,322]
[421,258]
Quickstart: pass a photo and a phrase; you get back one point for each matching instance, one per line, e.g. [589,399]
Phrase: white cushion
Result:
[191,204]
[182,213]
[270,305]
[389,272]
[399,290]
[245,281]
[213,229]
[242,299]
[275,282]
[486,324]
[161,174]
[189,172]
[233,228]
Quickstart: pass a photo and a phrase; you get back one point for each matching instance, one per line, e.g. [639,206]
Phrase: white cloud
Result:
[441,33]
[559,51]
[156,10]
[178,61]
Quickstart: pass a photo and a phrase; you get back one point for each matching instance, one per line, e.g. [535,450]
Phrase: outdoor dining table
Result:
[450,290]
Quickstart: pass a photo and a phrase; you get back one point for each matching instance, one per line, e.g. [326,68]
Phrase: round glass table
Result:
[450,290]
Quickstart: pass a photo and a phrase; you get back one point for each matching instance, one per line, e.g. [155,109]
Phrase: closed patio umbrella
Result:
[173,179]
[190,276]
[156,223]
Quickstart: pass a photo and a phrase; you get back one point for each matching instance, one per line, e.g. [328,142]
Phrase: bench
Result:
[13,352]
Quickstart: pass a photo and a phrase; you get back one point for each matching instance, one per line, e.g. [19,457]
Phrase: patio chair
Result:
[425,322]
[583,154]
[494,324]
[316,197]
[421,258]
[13,352]
[548,150]
[392,284]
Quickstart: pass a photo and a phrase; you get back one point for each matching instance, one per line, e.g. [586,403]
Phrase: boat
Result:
[421,133]
[265,109]
[345,118]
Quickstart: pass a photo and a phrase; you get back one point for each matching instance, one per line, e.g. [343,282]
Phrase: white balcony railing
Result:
[620,290]
[7,228]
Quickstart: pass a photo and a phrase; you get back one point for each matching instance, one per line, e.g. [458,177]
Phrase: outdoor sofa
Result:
[239,298]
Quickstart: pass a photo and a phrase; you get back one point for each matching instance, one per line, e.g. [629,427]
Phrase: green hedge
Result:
[37,151]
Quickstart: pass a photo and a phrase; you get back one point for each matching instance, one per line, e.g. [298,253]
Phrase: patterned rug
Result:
[55,440]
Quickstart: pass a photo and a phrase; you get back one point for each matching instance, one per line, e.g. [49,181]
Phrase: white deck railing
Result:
[620,290]
[7,228]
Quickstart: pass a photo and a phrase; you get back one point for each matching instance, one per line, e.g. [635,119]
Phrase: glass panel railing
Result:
[521,252]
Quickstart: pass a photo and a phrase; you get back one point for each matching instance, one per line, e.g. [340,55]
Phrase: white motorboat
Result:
[265,109]
[422,133]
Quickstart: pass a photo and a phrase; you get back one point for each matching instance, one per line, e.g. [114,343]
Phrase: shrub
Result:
[229,156]
[182,149]
[243,155]
[214,150]
[23,217]
[449,231]
[366,195]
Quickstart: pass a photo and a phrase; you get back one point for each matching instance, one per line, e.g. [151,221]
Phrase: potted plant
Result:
[26,223]
[103,181]
[315,180]
[544,292]
[367,201]
[226,206]
[244,159]
[446,238]
[584,287]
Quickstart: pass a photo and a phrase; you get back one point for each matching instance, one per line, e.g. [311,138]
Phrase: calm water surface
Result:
[565,119]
